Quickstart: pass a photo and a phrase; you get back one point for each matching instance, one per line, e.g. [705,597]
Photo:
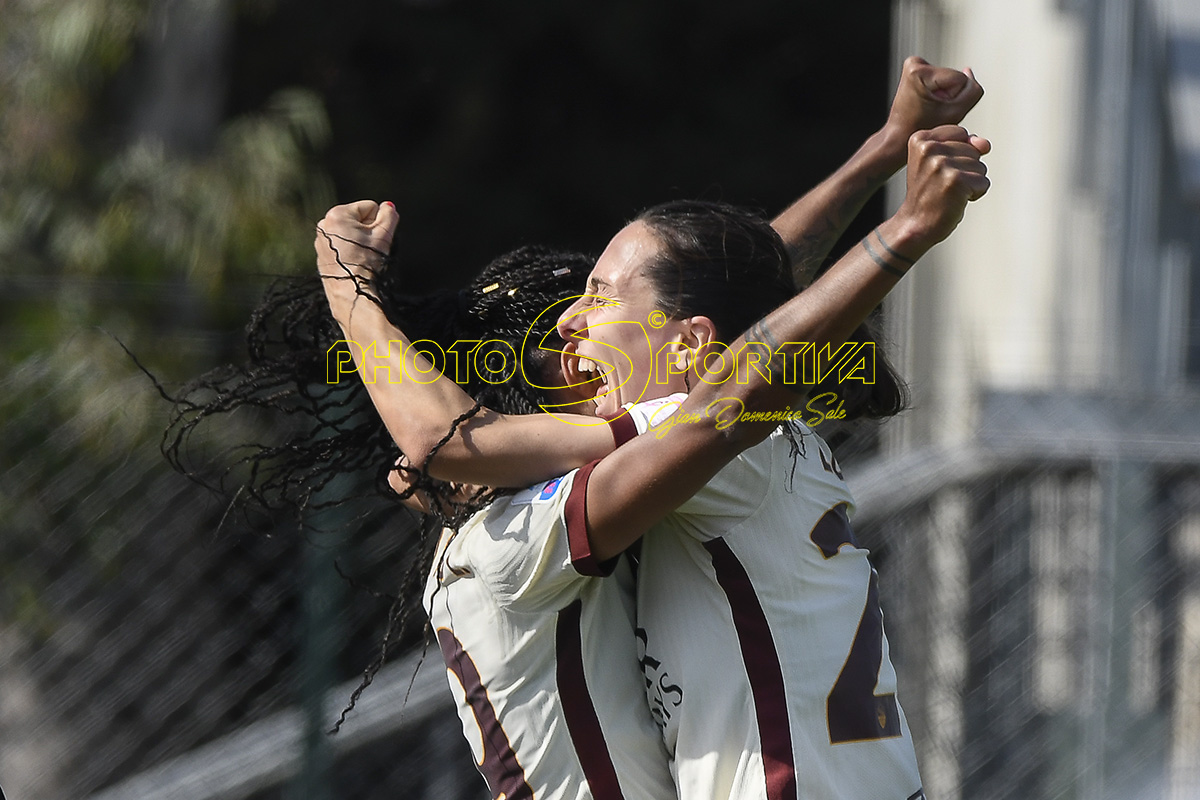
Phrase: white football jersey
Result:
[541,655]
[761,638]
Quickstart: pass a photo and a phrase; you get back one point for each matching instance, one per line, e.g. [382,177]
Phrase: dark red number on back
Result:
[854,712]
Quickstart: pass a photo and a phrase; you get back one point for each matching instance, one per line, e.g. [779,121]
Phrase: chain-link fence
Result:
[1042,617]
[1043,610]
[139,625]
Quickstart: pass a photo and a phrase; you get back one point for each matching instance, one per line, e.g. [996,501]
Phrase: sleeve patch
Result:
[541,493]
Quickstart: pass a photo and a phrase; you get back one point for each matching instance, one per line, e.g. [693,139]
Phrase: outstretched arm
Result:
[926,98]
[649,477]
[490,448]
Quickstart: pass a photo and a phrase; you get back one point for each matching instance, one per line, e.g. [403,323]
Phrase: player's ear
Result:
[699,332]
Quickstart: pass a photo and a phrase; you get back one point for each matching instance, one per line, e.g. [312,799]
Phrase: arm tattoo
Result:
[893,253]
[883,264]
[809,249]
[761,334]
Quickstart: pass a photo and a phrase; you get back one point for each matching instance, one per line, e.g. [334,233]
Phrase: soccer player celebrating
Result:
[542,646]
[708,566]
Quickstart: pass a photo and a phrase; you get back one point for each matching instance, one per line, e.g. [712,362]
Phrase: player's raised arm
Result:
[490,448]
[927,97]
[521,450]
[650,476]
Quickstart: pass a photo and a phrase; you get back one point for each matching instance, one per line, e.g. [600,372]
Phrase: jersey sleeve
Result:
[532,548]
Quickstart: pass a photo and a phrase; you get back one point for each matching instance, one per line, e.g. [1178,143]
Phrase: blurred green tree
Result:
[112,221]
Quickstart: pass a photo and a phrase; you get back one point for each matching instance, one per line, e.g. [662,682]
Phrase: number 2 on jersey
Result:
[854,712]
[498,763]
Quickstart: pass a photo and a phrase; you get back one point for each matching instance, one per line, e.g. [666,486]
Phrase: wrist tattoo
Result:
[893,253]
[883,264]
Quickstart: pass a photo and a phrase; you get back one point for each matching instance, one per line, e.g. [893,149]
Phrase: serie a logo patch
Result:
[549,489]
[542,493]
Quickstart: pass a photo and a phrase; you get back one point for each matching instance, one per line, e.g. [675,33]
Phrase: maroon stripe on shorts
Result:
[498,762]
[762,668]
[578,709]
[575,513]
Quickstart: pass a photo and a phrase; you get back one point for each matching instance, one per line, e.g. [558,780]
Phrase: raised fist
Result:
[352,239]
[945,172]
[929,97]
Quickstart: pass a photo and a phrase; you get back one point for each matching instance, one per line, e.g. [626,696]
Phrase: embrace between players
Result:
[647,617]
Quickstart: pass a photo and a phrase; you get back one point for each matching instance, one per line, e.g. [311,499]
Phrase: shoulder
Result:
[533,512]
[532,546]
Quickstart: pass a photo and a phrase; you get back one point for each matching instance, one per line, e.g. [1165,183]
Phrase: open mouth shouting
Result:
[589,379]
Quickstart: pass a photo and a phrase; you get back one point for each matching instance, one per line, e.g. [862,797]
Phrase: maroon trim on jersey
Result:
[578,709]
[762,668]
[623,427]
[498,762]
[575,513]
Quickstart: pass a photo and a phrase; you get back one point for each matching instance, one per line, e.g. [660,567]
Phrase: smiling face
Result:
[616,329]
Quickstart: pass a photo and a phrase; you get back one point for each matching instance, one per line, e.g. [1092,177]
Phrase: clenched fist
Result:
[351,243]
[945,172]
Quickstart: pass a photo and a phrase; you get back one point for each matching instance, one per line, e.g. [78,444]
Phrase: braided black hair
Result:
[334,429]
[329,430]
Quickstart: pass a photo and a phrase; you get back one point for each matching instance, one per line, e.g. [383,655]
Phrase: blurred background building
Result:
[1039,510]
[1035,517]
